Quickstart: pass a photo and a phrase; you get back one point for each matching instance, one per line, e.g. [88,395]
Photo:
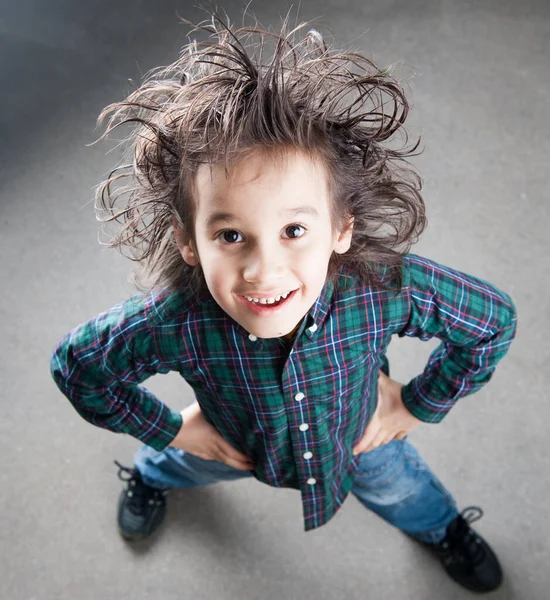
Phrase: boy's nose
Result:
[263,265]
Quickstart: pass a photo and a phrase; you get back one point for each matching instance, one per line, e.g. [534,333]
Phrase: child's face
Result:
[262,232]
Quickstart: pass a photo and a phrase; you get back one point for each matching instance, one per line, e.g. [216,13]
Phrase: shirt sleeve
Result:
[98,366]
[476,323]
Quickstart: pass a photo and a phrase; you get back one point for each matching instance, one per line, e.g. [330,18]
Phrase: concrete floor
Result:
[479,80]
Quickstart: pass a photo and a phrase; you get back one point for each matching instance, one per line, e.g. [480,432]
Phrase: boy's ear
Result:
[186,249]
[343,241]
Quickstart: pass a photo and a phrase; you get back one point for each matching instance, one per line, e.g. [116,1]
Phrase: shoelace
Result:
[140,492]
[461,541]
[122,468]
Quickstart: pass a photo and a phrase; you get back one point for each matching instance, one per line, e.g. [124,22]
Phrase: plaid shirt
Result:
[295,409]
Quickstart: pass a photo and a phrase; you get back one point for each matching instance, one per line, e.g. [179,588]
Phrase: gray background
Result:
[478,74]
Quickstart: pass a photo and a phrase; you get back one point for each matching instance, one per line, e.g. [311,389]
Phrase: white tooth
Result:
[270,300]
[256,300]
[249,299]
[278,298]
[263,301]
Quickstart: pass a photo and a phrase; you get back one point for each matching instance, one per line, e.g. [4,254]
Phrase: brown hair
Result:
[222,99]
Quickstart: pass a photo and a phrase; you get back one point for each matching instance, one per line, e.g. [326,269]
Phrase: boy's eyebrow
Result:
[225,217]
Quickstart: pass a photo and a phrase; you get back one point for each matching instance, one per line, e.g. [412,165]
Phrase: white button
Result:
[313,328]
[308,455]
[252,337]
[311,481]
[299,396]
[304,427]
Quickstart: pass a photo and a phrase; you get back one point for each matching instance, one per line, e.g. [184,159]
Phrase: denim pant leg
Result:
[395,482]
[171,468]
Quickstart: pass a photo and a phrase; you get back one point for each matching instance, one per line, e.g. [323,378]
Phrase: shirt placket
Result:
[303,425]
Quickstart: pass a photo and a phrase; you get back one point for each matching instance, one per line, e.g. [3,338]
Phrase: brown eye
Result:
[230,236]
[293,231]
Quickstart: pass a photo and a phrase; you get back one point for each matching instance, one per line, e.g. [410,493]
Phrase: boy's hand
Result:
[198,437]
[391,419]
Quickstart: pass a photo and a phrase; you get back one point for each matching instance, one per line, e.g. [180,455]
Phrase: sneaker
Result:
[466,556]
[141,507]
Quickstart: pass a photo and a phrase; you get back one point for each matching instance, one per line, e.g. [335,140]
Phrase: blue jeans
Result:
[391,480]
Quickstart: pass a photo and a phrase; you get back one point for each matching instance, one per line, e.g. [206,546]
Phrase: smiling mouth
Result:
[263,305]
[269,301]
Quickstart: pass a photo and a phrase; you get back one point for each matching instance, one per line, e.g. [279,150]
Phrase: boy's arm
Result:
[98,365]
[476,323]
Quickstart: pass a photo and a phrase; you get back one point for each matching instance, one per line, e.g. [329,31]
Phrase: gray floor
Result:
[479,79]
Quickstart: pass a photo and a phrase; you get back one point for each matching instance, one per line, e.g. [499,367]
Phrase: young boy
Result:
[274,226]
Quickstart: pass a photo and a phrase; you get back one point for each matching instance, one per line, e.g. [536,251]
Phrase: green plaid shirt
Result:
[295,409]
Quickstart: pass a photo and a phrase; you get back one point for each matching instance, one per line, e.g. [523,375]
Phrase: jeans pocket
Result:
[380,466]
[389,478]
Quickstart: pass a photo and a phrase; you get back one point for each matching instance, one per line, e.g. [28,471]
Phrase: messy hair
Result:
[223,99]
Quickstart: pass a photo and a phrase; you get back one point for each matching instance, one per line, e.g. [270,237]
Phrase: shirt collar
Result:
[311,325]
[318,312]
[315,317]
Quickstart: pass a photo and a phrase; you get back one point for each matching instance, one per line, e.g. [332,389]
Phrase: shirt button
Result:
[304,427]
[311,481]
[308,455]
[313,328]
[299,396]
[252,337]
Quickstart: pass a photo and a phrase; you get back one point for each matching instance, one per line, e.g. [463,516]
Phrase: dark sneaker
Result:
[466,556]
[141,507]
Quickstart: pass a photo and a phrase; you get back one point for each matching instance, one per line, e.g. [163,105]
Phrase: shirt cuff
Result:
[169,431]
[417,405]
